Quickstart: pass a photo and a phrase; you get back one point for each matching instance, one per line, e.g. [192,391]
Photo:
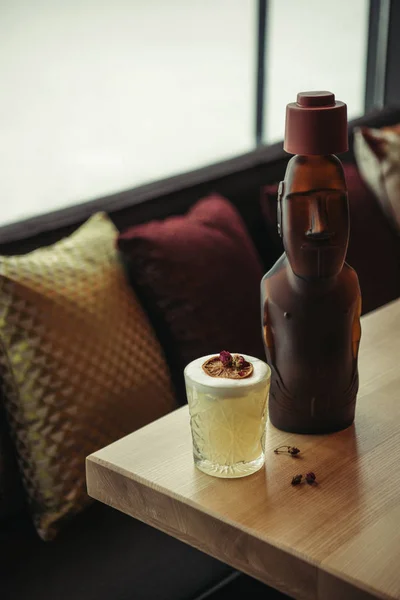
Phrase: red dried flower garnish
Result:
[240,362]
[226,358]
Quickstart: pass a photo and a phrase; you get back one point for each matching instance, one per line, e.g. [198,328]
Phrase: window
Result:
[100,97]
[314,45]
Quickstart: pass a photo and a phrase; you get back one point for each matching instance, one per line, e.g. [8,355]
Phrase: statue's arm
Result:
[356,330]
[267,331]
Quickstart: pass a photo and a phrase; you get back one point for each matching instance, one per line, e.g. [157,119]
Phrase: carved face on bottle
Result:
[315,230]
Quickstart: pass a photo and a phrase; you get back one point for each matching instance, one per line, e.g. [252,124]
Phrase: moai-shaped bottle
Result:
[311,301]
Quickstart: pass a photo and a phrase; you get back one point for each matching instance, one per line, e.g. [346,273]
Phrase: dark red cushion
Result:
[374,249]
[198,277]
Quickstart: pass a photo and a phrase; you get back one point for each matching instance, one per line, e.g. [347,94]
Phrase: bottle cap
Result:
[316,124]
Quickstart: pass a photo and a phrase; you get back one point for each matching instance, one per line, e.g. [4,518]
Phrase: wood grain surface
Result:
[337,540]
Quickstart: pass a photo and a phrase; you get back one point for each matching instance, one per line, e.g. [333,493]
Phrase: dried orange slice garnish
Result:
[229,366]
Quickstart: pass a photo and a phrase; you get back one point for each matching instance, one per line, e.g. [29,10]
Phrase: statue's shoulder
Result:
[275,280]
[278,268]
[349,275]
[348,283]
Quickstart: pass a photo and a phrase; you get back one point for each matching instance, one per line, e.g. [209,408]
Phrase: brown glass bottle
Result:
[311,300]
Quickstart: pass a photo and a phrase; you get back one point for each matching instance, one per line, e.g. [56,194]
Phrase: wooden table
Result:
[336,541]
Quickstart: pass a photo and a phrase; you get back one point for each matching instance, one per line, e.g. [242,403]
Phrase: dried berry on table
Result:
[311,478]
[296,480]
[292,450]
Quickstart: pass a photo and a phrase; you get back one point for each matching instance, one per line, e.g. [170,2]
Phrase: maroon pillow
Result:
[198,276]
[374,249]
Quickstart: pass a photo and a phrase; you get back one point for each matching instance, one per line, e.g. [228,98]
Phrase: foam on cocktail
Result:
[194,371]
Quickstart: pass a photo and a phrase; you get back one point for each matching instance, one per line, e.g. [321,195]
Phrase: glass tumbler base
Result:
[240,469]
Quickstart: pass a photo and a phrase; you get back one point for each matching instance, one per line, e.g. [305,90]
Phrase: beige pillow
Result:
[377,153]
[79,361]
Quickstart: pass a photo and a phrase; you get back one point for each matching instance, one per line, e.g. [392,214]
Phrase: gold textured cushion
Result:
[79,361]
